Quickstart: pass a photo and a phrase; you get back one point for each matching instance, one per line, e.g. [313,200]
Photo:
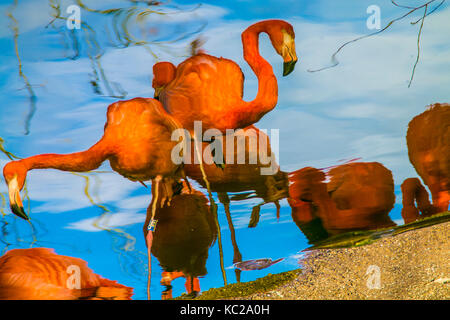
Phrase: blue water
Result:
[359,109]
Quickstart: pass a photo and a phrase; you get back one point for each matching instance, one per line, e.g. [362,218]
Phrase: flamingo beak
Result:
[288,53]
[14,199]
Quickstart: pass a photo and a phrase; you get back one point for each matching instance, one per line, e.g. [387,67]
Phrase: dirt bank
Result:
[411,265]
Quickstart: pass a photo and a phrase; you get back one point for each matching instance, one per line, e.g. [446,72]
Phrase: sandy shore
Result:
[411,265]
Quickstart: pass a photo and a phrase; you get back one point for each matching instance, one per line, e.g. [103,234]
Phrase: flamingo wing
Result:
[139,132]
[205,88]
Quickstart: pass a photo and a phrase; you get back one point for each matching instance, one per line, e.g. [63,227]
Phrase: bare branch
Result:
[335,62]
[434,9]
[32,96]
[418,47]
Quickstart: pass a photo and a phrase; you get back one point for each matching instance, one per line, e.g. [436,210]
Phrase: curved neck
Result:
[77,162]
[267,96]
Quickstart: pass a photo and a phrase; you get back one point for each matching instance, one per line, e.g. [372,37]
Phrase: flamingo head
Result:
[15,173]
[163,74]
[282,36]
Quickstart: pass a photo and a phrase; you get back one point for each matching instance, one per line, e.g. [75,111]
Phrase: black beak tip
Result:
[288,67]
[19,211]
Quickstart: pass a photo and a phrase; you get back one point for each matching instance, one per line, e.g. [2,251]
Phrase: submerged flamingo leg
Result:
[149,240]
[237,256]
[149,236]
[277,205]
[192,284]
[166,280]
[213,206]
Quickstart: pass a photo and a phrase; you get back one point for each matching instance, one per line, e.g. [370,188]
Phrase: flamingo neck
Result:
[77,162]
[267,96]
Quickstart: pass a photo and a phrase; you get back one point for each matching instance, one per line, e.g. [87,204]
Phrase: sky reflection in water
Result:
[359,109]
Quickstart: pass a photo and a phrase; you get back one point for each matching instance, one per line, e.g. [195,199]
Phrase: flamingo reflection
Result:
[246,178]
[358,196]
[428,139]
[186,230]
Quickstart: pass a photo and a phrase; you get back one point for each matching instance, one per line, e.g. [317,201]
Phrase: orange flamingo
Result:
[359,196]
[240,177]
[210,89]
[41,274]
[428,140]
[245,177]
[136,141]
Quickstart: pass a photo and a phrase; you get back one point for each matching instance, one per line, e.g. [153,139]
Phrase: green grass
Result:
[244,289]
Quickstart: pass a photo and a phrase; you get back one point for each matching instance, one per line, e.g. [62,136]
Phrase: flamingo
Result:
[136,141]
[210,89]
[359,196]
[240,177]
[40,273]
[235,177]
[428,140]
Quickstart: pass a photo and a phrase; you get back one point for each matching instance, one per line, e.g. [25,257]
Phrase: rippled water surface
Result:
[56,84]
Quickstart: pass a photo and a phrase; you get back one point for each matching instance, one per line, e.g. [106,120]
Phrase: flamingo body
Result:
[236,177]
[41,274]
[138,139]
[428,140]
[204,88]
[359,196]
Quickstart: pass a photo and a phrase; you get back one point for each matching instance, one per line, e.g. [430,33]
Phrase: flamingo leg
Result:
[188,184]
[213,207]
[149,236]
[192,285]
[237,257]
[166,280]
[277,205]
[149,240]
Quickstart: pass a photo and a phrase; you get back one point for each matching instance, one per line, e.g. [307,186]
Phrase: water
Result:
[56,103]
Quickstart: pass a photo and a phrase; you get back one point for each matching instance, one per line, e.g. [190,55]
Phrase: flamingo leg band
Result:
[152,225]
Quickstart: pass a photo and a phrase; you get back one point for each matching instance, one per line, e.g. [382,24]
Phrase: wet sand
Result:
[412,265]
